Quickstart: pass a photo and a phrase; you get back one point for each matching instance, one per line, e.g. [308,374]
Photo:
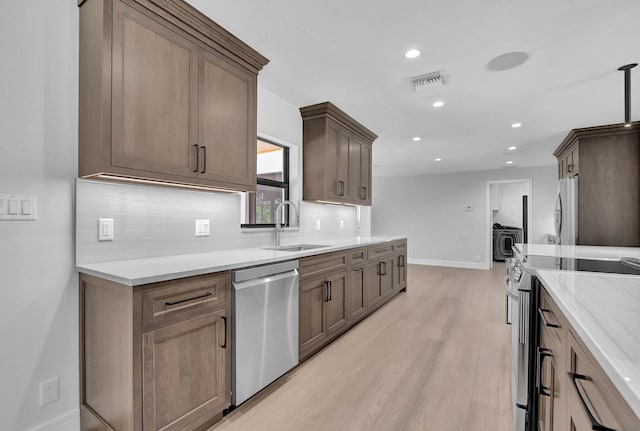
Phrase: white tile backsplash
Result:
[159,221]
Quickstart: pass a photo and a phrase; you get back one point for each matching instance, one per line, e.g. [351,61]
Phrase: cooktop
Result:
[623,266]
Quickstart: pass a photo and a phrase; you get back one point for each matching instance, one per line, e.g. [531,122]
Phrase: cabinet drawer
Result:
[172,298]
[593,393]
[552,320]
[357,257]
[310,266]
[400,247]
[379,251]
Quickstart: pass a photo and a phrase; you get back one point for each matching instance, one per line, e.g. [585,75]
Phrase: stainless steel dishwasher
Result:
[264,328]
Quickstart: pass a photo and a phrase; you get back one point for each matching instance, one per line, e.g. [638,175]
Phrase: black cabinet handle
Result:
[401,261]
[543,317]
[169,304]
[341,184]
[224,345]
[204,159]
[330,290]
[363,193]
[325,291]
[195,167]
[570,168]
[595,425]
[542,353]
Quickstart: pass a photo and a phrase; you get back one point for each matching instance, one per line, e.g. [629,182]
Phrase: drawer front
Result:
[310,266]
[172,298]
[379,251]
[594,394]
[400,247]
[357,257]
[552,320]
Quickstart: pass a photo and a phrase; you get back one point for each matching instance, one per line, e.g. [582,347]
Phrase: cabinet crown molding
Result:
[328,109]
[591,132]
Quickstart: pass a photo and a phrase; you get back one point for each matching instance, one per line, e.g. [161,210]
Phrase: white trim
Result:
[448,263]
[69,421]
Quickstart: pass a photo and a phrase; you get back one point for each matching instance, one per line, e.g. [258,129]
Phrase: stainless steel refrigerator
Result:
[566,212]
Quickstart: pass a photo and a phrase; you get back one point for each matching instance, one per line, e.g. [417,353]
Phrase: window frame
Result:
[285,185]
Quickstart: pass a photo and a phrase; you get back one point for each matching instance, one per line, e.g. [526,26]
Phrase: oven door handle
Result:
[523,315]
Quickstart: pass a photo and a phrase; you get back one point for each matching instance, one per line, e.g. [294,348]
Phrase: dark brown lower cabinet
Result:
[154,357]
[380,281]
[357,294]
[323,309]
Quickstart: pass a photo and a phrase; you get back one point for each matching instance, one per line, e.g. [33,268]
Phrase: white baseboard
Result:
[69,421]
[449,263]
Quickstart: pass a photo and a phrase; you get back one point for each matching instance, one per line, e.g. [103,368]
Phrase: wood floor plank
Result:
[434,358]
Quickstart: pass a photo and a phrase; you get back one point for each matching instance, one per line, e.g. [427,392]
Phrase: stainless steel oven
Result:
[517,287]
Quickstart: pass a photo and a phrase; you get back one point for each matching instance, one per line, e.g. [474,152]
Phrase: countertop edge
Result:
[272,256]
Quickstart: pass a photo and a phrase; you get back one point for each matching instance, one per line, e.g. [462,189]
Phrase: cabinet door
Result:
[312,324]
[153,96]
[400,274]
[360,171]
[336,306]
[185,372]
[357,294]
[379,281]
[226,126]
[337,163]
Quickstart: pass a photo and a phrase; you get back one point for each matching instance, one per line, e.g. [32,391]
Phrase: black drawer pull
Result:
[542,353]
[546,323]
[169,304]
[595,425]
[197,161]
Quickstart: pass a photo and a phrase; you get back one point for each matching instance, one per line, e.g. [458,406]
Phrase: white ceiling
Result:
[351,52]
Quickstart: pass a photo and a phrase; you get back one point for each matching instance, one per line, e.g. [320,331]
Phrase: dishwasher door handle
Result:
[262,280]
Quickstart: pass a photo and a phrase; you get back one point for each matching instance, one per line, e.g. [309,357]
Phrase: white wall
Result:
[430,210]
[510,212]
[38,141]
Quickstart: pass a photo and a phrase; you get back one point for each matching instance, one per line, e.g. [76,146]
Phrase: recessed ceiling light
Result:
[416,138]
[438,104]
[412,53]
[437,159]
[509,162]
[516,125]
[512,148]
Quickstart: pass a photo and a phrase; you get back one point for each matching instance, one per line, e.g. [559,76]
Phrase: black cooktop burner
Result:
[624,266]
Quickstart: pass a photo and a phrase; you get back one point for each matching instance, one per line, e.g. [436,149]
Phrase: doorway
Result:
[508,216]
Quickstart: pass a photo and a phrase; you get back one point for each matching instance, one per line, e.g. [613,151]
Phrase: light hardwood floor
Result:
[434,358]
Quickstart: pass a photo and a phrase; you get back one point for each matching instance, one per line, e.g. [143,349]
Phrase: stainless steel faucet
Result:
[279,227]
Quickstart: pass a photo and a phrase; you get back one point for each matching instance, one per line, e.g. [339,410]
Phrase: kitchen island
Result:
[589,330]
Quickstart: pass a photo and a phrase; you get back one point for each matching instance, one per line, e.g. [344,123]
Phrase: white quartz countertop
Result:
[134,272]
[578,251]
[604,310]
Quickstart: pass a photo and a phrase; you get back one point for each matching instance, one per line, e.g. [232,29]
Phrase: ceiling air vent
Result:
[429,80]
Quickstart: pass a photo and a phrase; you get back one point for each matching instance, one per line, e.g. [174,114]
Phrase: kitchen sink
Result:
[295,247]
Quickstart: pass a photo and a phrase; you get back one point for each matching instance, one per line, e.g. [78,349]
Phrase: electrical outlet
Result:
[468,208]
[202,227]
[105,229]
[49,391]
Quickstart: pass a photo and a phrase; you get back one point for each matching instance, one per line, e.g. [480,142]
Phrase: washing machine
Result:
[504,237]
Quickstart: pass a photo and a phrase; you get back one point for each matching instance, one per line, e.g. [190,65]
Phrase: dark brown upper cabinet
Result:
[608,182]
[166,95]
[336,156]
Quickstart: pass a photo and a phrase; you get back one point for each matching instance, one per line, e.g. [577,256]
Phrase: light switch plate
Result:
[105,229]
[317,224]
[202,227]
[18,207]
